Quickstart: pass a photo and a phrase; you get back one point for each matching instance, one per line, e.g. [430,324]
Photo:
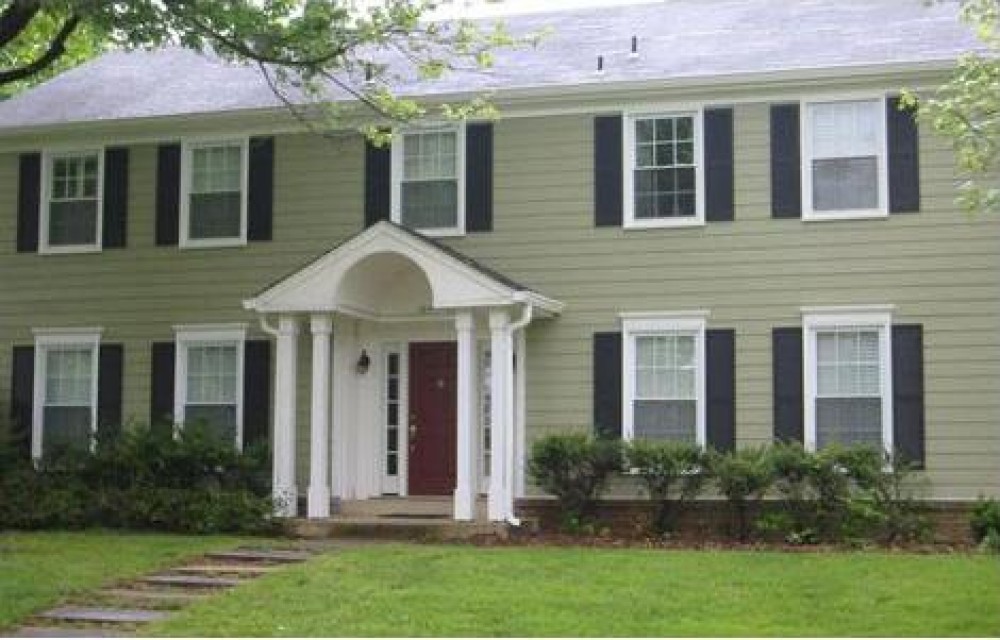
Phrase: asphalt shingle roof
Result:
[678,39]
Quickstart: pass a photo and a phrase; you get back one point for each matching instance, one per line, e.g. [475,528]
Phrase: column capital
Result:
[464,321]
[499,318]
[288,325]
[321,324]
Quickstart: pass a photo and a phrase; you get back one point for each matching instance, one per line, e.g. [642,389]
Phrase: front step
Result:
[190,582]
[410,529]
[103,615]
[224,569]
[67,632]
[154,597]
[260,556]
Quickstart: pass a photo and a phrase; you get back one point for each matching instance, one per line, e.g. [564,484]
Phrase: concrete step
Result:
[263,556]
[67,632]
[104,615]
[154,597]
[413,529]
[190,582]
[224,569]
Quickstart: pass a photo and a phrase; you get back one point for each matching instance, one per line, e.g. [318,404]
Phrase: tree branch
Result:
[56,48]
[15,18]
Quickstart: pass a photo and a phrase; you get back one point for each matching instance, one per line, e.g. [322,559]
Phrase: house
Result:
[726,234]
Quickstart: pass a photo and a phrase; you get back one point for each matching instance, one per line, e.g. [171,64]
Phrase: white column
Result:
[499,365]
[465,490]
[285,387]
[319,451]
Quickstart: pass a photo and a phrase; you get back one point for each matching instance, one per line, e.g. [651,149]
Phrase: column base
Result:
[319,503]
[286,500]
[465,505]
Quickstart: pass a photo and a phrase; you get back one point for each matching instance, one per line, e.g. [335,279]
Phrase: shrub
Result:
[672,472]
[575,468]
[143,479]
[985,524]
[743,477]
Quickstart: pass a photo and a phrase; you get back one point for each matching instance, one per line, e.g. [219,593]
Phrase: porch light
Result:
[363,363]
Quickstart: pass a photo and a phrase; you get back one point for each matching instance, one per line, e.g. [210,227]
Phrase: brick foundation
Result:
[711,520]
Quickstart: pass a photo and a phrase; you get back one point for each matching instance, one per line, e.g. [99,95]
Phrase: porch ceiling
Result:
[388,270]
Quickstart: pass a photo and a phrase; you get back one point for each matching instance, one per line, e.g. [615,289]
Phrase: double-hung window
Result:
[71,210]
[844,167]
[664,379]
[848,380]
[428,190]
[209,380]
[214,194]
[663,178]
[65,411]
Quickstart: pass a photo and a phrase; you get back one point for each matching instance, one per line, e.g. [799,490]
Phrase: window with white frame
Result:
[214,204]
[848,381]
[844,159]
[428,184]
[209,381]
[664,177]
[65,412]
[393,411]
[71,212]
[664,379]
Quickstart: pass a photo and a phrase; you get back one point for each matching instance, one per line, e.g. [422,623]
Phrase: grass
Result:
[40,569]
[465,591]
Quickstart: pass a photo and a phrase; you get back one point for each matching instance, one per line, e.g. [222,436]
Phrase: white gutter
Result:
[527,313]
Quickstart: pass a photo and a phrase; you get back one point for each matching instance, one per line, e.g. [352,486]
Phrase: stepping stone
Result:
[100,614]
[65,632]
[193,582]
[261,555]
[153,595]
[223,568]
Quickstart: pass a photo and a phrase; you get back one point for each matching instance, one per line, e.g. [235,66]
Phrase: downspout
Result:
[527,313]
[268,329]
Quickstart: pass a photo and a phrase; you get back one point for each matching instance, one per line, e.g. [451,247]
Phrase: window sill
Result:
[69,249]
[439,233]
[215,243]
[665,223]
[831,216]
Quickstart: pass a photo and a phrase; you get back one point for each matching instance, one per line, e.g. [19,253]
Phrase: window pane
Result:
[218,421]
[664,419]
[848,421]
[215,215]
[66,428]
[73,222]
[212,374]
[68,376]
[430,205]
[845,129]
[845,183]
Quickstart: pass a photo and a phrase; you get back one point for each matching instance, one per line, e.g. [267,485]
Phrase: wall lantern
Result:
[364,362]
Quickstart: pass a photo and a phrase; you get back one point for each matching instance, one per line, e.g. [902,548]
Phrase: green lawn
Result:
[465,591]
[38,569]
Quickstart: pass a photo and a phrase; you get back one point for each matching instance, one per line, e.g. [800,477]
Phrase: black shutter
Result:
[378,183]
[904,158]
[260,196]
[168,194]
[786,176]
[256,391]
[109,392]
[718,165]
[788,385]
[608,195]
[22,399]
[908,392]
[720,387]
[115,229]
[479,177]
[161,397]
[608,384]
[29,198]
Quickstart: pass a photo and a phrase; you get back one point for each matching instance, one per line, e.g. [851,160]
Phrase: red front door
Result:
[432,418]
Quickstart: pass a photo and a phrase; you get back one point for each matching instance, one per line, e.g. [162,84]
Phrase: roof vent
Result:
[634,52]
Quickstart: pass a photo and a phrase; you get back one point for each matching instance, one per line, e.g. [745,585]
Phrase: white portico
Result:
[414,388]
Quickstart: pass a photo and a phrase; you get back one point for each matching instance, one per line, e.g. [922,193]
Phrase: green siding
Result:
[940,268]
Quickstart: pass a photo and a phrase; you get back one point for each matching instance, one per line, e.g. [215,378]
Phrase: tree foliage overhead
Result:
[966,109]
[310,51]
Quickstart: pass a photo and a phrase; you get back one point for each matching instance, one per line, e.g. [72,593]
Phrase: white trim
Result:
[658,315]
[49,338]
[49,155]
[392,485]
[852,309]
[187,336]
[629,117]
[188,145]
[685,322]
[805,127]
[846,318]
[460,171]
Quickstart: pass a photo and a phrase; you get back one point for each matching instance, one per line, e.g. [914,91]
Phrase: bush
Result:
[672,472]
[985,524]
[743,477]
[575,468]
[143,479]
